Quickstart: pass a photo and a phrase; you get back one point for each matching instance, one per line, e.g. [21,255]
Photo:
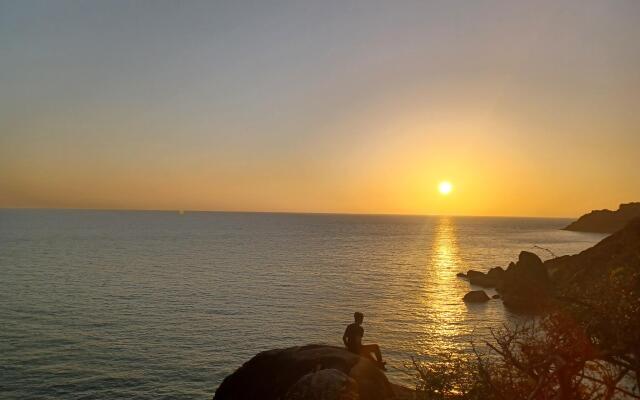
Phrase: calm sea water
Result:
[161,305]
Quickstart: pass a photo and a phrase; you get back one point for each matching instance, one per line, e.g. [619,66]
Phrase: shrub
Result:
[552,358]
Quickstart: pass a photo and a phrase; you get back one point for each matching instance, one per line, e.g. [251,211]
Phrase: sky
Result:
[527,108]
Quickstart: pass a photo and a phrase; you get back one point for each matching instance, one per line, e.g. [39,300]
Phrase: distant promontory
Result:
[606,221]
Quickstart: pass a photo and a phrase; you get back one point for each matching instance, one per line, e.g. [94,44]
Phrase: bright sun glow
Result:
[445,187]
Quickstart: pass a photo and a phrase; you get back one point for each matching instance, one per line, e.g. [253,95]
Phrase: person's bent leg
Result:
[367,350]
[376,350]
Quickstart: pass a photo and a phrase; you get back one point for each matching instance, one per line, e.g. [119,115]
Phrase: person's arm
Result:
[359,336]
[345,337]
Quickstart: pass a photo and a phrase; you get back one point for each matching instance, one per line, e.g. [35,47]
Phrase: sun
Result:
[445,187]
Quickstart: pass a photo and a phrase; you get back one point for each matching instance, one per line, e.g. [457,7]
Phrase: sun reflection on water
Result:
[445,247]
[441,299]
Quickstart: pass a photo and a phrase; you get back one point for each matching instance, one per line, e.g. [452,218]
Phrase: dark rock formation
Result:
[496,275]
[403,392]
[530,285]
[477,278]
[620,250]
[473,273]
[325,384]
[495,296]
[476,296]
[606,221]
[600,287]
[274,374]
[525,284]
[461,275]
[491,279]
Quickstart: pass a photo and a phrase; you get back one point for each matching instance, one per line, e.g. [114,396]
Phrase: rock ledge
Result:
[285,373]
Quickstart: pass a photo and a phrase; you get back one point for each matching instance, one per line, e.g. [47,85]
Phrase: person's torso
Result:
[355,333]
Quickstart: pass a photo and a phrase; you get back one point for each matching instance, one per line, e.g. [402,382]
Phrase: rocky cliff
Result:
[531,285]
[606,221]
[316,372]
[620,250]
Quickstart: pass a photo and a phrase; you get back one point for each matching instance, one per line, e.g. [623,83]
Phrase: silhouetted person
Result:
[352,339]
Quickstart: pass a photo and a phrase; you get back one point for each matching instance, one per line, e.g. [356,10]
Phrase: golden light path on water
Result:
[444,307]
[436,319]
[416,308]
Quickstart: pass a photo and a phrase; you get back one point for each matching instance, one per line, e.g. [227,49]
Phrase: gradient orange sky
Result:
[364,107]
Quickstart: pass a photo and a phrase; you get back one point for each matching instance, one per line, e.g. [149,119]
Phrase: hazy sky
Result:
[528,108]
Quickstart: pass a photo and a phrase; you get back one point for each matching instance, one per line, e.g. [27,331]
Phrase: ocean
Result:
[151,305]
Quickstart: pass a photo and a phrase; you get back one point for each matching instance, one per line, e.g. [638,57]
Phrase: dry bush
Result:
[446,376]
[552,358]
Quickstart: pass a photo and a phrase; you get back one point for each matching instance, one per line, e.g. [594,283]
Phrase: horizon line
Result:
[278,212]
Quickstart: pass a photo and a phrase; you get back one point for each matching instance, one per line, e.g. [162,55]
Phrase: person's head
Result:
[358,317]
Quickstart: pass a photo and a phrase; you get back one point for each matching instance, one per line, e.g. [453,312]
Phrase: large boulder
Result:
[525,284]
[529,260]
[325,384]
[476,296]
[308,371]
[472,273]
[491,279]
[478,278]
[496,275]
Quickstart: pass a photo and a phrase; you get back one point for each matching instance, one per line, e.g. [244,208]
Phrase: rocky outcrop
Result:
[476,296]
[315,371]
[529,285]
[606,221]
[496,276]
[600,287]
[325,384]
[591,266]
[525,284]
[473,275]
[492,279]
